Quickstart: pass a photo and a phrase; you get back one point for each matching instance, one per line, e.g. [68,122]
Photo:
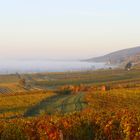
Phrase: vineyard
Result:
[100,105]
[15,105]
[84,125]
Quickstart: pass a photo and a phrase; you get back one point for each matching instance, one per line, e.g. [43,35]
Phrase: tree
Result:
[128,66]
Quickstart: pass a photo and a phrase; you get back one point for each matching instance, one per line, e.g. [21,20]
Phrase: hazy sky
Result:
[67,29]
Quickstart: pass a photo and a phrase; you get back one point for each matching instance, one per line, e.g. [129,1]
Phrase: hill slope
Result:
[121,56]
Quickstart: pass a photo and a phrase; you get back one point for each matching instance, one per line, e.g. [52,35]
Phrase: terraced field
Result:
[58,103]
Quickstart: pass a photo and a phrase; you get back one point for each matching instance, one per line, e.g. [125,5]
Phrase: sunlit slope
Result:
[17,104]
[114,100]
[121,56]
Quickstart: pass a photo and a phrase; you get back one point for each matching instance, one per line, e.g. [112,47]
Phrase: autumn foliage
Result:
[85,125]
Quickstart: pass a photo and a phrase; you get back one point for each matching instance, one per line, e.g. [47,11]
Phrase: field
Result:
[91,105]
[15,105]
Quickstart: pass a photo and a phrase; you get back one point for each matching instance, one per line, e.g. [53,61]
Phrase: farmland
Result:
[99,105]
[15,105]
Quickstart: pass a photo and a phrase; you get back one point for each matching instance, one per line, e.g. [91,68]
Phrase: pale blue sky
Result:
[67,29]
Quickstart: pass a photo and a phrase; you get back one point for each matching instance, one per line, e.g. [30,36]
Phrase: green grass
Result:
[58,103]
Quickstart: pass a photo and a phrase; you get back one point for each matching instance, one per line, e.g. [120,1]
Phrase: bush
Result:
[13,132]
[65,91]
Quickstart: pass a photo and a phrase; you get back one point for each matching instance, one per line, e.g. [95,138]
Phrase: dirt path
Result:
[58,103]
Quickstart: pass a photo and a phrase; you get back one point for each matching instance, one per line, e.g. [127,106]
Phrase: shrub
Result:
[13,132]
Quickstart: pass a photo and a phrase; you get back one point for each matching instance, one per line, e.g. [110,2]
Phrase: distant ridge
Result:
[121,56]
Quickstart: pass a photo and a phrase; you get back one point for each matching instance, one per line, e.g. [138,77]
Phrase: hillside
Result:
[121,56]
[92,105]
